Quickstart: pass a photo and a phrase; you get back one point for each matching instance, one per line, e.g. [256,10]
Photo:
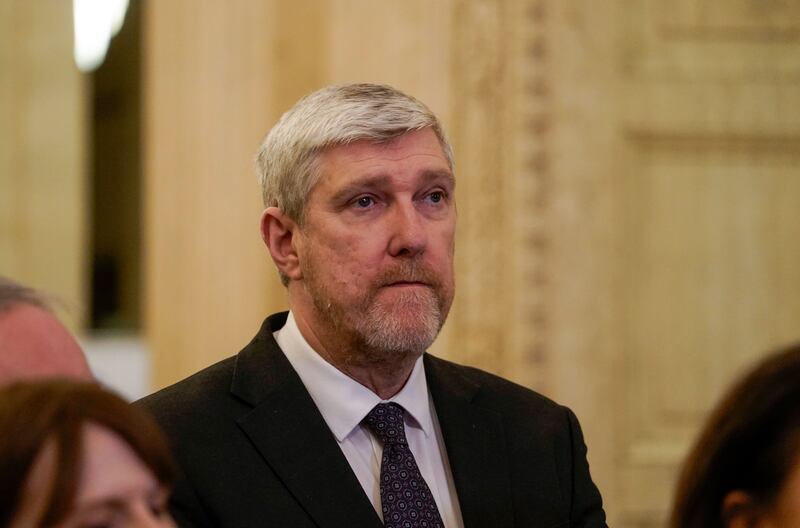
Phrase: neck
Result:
[384,373]
[384,380]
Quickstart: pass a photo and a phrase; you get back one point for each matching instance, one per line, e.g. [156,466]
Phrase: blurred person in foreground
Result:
[334,415]
[33,343]
[74,455]
[744,471]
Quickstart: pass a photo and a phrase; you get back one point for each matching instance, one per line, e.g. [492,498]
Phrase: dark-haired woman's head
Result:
[75,455]
[744,470]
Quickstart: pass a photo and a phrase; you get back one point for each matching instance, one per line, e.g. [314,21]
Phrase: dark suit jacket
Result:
[254,451]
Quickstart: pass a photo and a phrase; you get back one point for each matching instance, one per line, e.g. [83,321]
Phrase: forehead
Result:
[110,467]
[412,154]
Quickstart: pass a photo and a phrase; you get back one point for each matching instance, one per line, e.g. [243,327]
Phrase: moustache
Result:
[413,271]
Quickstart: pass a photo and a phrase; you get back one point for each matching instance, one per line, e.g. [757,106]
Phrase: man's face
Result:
[376,248]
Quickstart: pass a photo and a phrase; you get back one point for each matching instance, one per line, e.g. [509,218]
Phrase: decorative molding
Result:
[681,140]
[537,129]
[726,20]
[722,41]
[731,34]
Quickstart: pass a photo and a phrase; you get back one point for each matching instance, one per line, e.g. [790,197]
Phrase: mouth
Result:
[405,284]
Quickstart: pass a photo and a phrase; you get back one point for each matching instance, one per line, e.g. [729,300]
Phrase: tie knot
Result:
[386,421]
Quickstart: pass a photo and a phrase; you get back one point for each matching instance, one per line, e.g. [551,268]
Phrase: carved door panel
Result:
[707,222]
[630,235]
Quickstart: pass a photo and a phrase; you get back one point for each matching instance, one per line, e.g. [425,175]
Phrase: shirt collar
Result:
[342,401]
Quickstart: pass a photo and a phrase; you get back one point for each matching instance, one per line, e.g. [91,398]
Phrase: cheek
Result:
[791,506]
[446,235]
[444,250]
[348,261]
[787,509]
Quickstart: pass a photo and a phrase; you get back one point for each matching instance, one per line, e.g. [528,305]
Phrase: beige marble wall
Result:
[208,88]
[706,221]
[43,220]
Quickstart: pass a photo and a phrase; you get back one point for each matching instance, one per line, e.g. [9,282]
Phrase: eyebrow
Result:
[99,505]
[113,503]
[378,181]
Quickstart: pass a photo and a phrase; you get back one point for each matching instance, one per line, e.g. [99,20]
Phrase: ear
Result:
[277,232]
[738,510]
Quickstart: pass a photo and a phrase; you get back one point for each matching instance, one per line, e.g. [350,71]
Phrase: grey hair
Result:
[335,115]
[13,293]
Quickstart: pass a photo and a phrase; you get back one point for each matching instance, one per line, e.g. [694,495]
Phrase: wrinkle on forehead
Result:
[422,142]
[419,151]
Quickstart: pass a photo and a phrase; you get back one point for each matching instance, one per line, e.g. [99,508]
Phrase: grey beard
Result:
[383,333]
[378,336]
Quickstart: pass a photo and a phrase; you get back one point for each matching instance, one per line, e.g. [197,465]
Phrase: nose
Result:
[408,229]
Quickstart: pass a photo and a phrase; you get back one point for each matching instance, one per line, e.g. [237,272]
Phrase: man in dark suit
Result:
[334,415]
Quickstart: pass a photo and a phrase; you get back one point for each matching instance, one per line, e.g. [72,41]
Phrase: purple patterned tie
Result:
[406,499]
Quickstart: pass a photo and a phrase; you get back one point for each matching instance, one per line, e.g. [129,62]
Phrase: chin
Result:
[409,333]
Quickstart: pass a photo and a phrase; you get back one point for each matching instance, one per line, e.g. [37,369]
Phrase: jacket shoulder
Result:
[201,392]
[230,384]
[491,390]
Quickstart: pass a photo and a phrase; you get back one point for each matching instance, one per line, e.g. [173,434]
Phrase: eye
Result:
[365,201]
[102,516]
[159,505]
[159,510]
[436,196]
[104,520]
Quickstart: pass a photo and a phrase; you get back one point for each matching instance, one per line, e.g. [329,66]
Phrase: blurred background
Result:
[628,188]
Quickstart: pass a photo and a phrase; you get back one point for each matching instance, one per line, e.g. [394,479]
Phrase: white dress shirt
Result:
[344,402]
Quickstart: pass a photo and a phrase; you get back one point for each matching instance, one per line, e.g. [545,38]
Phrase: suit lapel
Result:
[287,429]
[476,448]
